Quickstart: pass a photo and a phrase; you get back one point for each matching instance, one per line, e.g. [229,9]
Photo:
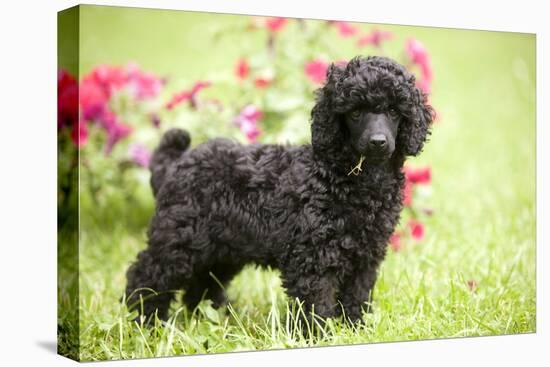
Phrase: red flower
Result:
[187,95]
[316,71]
[395,241]
[275,24]
[65,80]
[376,37]
[242,69]
[417,229]
[178,98]
[418,175]
[79,133]
[67,108]
[345,29]
[67,100]
[198,86]
[262,82]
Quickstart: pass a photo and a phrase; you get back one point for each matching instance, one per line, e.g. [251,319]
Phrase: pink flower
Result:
[140,155]
[275,24]
[417,229]
[93,99]
[242,69]
[427,71]
[420,57]
[376,37]
[108,78]
[250,130]
[250,113]
[416,51]
[316,71]
[345,29]
[116,133]
[188,95]
[143,85]
[395,241]
[418,175]
[96,90]
[116,130]
[407,193]
[247,120]
[424,85]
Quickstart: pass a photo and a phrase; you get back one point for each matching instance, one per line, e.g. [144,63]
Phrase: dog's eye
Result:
[354,115]
[392,111]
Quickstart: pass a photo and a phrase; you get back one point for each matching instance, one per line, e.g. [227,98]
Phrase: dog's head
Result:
[371,108]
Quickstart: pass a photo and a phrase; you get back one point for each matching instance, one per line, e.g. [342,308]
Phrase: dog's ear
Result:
[415,130]
[326,134]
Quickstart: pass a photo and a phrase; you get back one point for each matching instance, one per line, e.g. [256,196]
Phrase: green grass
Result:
[483,227]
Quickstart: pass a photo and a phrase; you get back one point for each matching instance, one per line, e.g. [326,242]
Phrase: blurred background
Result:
[463,256]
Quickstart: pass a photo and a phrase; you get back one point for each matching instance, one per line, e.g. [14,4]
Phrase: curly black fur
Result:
[222,205]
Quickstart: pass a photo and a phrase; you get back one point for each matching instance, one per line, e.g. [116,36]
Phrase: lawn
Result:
[473,274]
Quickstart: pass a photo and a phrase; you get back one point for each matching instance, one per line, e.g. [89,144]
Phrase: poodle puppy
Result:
[322,213]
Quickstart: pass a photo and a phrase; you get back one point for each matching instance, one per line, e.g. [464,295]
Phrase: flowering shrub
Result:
[115,115]
[417,181]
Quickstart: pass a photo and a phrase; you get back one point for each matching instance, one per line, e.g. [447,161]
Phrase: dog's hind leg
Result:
[154,277]
[210,285]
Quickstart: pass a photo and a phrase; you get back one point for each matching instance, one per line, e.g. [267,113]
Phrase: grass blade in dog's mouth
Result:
[357,169]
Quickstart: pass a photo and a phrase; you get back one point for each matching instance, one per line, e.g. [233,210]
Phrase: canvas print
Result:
[235,183]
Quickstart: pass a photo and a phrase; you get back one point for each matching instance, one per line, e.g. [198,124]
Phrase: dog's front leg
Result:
[356,294]
[318,292]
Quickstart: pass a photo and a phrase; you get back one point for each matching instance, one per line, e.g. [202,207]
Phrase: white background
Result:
[28,182]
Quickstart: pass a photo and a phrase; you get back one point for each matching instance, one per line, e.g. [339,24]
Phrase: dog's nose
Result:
[378,141]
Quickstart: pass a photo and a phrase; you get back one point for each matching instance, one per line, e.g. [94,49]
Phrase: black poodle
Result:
[322,213]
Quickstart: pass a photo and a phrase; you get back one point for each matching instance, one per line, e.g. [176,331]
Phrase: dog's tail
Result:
[172,145]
